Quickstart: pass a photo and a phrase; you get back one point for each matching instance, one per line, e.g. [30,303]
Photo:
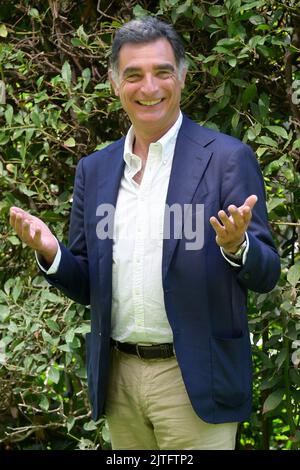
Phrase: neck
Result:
[143,139]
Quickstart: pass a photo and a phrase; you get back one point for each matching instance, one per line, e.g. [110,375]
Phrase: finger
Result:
[18,223]
[218,228]
[227,223]
[237,216]
[246,214]
[26,230]
[251,201]
[37,236]
[12,218]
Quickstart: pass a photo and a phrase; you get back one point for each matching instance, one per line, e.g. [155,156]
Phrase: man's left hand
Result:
[230,234]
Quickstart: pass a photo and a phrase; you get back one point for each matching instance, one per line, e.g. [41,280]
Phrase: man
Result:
[168,356]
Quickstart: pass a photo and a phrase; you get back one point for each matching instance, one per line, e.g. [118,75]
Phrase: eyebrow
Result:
[130,70]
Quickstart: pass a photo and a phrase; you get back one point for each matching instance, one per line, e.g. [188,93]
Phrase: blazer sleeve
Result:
[72,276]
[241,178]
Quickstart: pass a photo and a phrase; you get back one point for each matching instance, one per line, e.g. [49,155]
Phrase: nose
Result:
[149,84]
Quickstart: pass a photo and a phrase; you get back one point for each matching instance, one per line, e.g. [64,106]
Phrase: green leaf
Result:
[295,376]
[90,426]
[4,312]
[35,119]
[214,69]
[3,31]
[278,130]
[17,289]
[282,356]
[52,297]
[274,202]
[217,11]
[82,34]
[249,94]
[4,138]
[83,329]
[293,274]
[70,335]
[86,74]
[257,40]
[182,8]
[77,42]
[44,403]
[232,62]
[53,325]
[296,144]
[70,142]
[54,374]
[70,423]
[25,190]
[34,13]
[252,5]
[66,73]
[267,141]
[46,337]
[9,114]
[273,400]
[269,382]
[14,240]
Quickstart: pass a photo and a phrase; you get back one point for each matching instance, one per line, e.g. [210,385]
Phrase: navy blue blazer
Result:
[205,297]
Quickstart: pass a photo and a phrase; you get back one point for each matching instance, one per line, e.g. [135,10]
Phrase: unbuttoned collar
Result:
[164,147]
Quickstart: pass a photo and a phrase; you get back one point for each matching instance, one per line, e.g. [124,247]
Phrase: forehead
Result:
[149,54]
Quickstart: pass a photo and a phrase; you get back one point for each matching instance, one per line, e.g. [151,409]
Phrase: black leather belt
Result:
[154,351]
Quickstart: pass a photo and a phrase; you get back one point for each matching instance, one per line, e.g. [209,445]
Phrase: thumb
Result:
[251,201]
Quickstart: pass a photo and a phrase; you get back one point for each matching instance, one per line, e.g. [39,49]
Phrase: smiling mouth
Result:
[149,103]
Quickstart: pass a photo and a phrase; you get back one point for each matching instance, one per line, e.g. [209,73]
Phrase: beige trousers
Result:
[148,408]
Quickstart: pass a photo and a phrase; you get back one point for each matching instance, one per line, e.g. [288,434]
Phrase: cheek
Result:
[126,93]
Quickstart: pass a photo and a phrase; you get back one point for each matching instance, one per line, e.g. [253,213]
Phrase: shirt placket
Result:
[142,232]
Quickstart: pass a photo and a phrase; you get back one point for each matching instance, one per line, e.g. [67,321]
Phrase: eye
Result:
[135,77]
[164,74]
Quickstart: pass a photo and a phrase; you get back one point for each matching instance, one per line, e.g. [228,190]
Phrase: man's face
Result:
[149,87]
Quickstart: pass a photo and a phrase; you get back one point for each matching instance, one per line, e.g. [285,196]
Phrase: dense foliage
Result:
[56,106]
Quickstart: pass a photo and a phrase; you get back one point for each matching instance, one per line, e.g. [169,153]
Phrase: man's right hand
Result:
[34,233]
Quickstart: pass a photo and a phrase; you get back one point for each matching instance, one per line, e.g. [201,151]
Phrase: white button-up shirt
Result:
[138,309]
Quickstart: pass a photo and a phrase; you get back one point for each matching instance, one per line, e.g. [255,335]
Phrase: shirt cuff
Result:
[54,266]
[244,257]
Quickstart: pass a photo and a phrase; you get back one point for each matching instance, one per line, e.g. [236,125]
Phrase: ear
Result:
[183,77]
[113,83]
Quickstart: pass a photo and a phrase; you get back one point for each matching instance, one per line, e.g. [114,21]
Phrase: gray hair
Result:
[144,30]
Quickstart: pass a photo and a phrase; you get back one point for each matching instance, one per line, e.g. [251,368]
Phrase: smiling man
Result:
[168,356]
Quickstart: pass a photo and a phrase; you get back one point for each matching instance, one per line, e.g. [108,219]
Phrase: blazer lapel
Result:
[189,163]
[110,176]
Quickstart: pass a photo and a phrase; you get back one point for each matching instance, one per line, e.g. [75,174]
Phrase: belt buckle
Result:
[142,345]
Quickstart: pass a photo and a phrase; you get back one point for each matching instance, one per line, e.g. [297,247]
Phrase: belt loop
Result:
[137,351]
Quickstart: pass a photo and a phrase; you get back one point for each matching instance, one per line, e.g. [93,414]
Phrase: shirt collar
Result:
[166,142]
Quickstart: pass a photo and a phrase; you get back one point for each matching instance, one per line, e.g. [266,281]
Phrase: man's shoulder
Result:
[206,136]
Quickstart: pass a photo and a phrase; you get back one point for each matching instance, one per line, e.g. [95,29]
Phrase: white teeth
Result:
[149,103]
